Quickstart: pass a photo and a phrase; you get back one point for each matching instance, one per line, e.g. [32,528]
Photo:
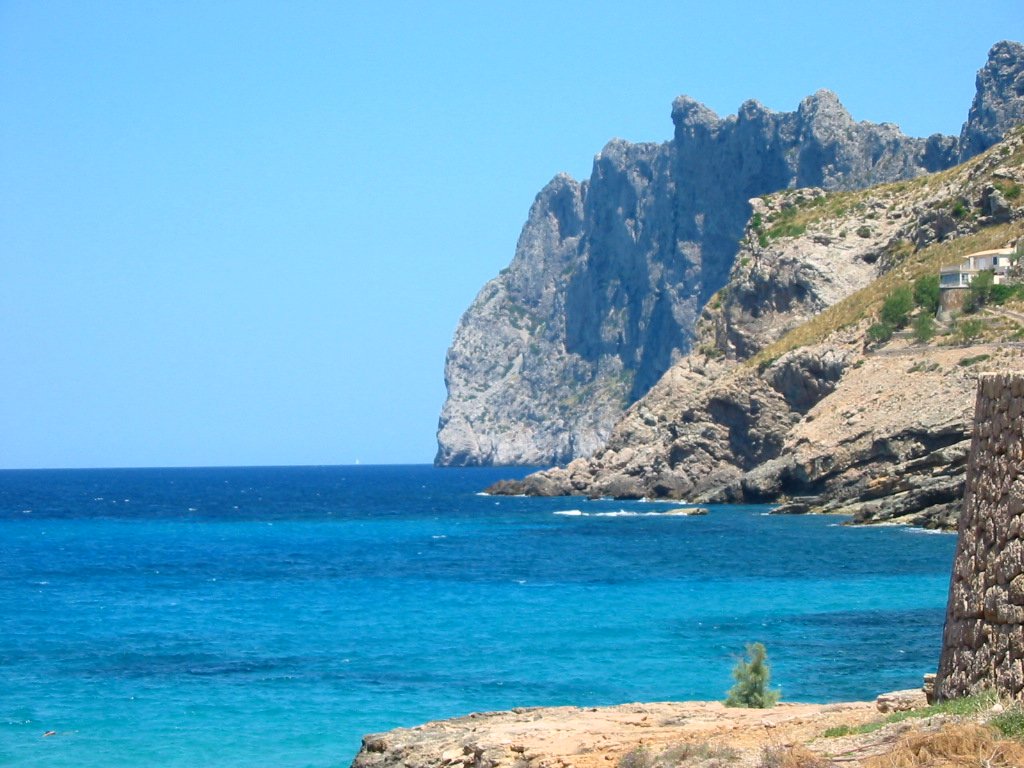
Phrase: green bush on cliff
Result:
[969,330]
[927,292]
[752,676]
[924,328]
[981,290]
[897,306]
[879,333]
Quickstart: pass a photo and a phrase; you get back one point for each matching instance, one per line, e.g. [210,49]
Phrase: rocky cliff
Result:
[786,398]
[998,102]
[611,274]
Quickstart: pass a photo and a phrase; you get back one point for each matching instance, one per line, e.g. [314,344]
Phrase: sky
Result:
[243,233]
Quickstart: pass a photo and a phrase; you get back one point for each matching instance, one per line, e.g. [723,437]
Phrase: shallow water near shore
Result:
[271,616]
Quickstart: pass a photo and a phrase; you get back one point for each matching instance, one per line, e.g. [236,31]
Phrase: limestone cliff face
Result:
[999,101]
[611,274]
[821,416]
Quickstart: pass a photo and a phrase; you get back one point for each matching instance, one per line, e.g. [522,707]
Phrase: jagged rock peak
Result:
[620,151]
[752,110]
[822,100]
[560,199]
[687,111]
[999,99]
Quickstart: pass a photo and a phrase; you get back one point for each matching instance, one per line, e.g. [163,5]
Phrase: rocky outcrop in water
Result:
[611,274]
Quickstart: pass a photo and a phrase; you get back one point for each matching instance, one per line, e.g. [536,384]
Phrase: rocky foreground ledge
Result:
[600,737]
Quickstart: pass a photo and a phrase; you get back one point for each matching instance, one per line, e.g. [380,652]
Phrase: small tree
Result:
[927,292]
[879,333]
[981,290]
[924,328]
[969,330]
[897,306]
[752,676]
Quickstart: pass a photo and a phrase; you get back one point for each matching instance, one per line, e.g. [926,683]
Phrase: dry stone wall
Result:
[983,640]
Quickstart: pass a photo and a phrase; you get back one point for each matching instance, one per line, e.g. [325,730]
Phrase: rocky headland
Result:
[785,398]
[611,274]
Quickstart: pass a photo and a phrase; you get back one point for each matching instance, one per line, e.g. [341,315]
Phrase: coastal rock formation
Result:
[598,737]
[611,274]
[695,734]
[983,640]
[889,445]
[784,396]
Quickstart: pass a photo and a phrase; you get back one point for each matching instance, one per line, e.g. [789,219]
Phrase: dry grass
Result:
[959,745]
[795,756]
[909,264]
[809,209]
[867,301]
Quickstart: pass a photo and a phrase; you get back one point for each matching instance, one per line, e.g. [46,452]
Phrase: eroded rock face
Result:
[983,640]
[611,274]
[999,100]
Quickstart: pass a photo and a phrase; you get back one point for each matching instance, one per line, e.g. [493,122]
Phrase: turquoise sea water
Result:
[271,616]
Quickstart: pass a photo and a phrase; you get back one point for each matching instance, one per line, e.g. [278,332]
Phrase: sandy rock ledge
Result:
[574,737]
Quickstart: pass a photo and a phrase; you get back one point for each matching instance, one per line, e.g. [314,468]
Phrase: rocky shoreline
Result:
[787,398]
[702,734]
[600,737]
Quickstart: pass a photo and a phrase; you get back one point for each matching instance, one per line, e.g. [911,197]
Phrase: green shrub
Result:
[787,229]
[927,292]
[1002,293]
[880,333]
[981,290]
[924,328]
[969,330]
[1010,722]
[959,210]
[752,676]
[1009,189]
[968,361]
[897,306]
[864,231]
[968,706]
[839,730]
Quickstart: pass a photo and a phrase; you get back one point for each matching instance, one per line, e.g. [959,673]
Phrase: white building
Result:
[997,260]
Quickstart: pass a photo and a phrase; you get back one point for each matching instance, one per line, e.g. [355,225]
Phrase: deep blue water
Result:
[271,616]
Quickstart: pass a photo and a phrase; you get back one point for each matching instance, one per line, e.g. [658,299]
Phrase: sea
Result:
[273,616]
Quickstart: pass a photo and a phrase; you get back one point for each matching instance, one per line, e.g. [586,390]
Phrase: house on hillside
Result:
[955,281]
[997,261]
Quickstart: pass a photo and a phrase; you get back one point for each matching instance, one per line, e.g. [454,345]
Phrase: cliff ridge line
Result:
[610,274]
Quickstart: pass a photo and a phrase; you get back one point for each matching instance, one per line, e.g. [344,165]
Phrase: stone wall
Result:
[951,301]
[983,640]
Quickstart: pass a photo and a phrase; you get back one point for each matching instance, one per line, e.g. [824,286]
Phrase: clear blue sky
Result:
[244,232]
